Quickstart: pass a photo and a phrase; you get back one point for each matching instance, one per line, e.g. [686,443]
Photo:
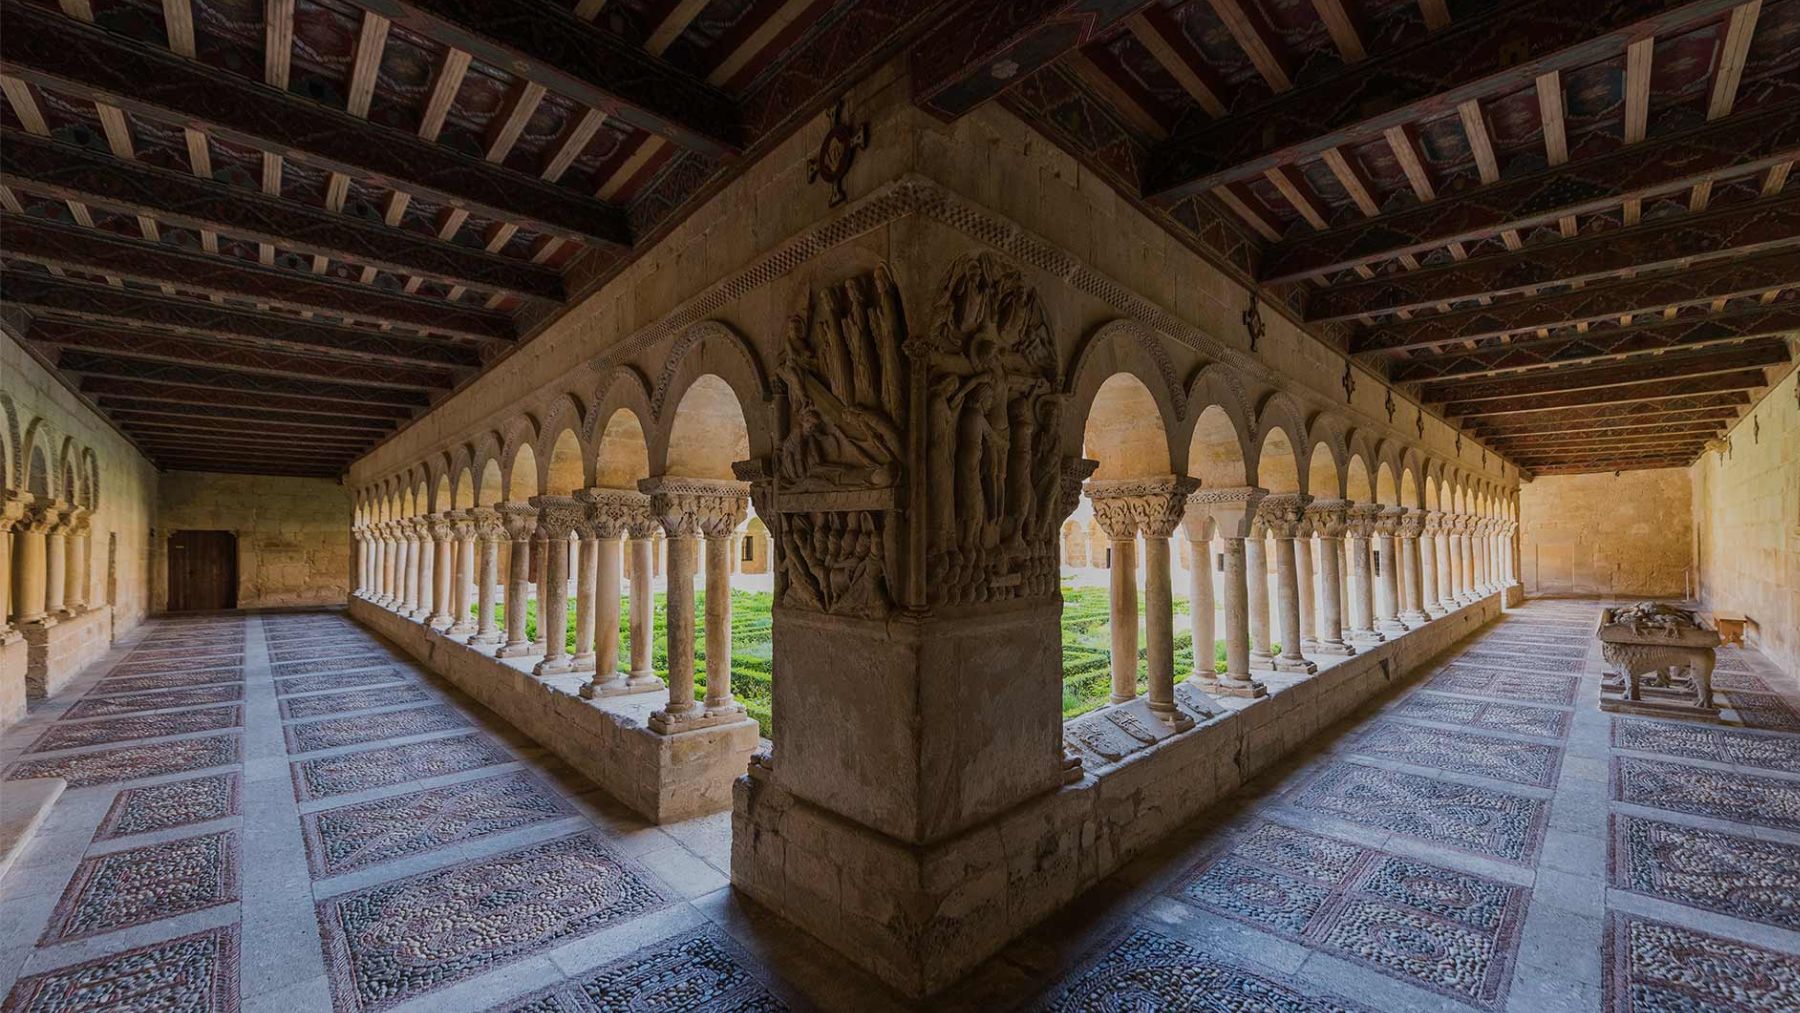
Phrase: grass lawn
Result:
[1086,681]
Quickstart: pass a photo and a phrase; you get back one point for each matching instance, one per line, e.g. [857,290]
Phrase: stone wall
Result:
[1746,505]
[293,534]
[1625,536]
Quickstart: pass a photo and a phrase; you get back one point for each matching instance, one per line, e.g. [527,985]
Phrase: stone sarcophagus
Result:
[1663,659]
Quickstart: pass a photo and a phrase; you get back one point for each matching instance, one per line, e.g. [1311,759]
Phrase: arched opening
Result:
[708,433]
[566,473]
[1215,457]
[462,490]
[489,490]
[623,456]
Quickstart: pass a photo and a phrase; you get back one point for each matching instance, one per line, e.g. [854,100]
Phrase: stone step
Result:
[23,806]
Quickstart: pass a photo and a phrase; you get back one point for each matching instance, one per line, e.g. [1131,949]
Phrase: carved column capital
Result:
[519,519]
[687,507]
[1281,515]
[611,512]
[462,524]
[439,527]
[557,516]
[1387,522]
[487,523]
[1413,524]
[40,517]
[1126,506]
[1075,473]
[13,507]
[1232,509]
[1329,518]
[1360,519]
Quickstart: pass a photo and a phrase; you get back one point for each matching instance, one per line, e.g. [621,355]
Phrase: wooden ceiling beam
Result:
[191,389]
[1412,82]
[101,252]
[131,344]
[1528,456]
[1727,405]
[1743,380]
[69,172]
[1341,25]
[1741,145]
[57,52]
[1162,38]
[1247,25]
[952,65]
[229,418]
[1698,362]
[1720,417]
[85,364]
[72,300]
[1603,466]
[1726,279]
[1604,434]
[1656,335]
[1741,229]
[321,445]
[585,61]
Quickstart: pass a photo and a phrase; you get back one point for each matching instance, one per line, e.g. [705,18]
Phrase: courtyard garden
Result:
[1086,678]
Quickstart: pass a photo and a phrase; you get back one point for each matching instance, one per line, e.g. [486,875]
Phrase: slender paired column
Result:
[1117,515]
[31,576]
[462,572]
[558,518]
[394,566]
[1412,526]
[688,508]
[1512,553]
[587,562]
[1387,569]
[1329,519]
[75,599]
[428,555]
[415,569]
[12,510]
[1233,511]
[1453,536]
[614,514]
[490,531]
[1429,593]
[521,523]
[1358,531]
[640,546]
[1198,526]
[56,563]
[1307,577]
[1151,507]
[1256,589]
[1467,532]
[1282,516]
[443,570]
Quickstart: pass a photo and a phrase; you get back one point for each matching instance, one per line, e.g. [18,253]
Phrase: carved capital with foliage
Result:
[520,521]
[1126,507]
[1281,515]
[611,512]
[691,507]
[1361,518]
[1329,517]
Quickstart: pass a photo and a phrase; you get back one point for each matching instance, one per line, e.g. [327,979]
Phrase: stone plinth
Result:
[921,915]
[14,660]
[58,653]
[664,778]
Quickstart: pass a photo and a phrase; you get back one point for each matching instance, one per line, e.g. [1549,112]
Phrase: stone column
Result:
[1478,577]
[443,570]
[1328,517]
[1490,557]
[75,594]
[1117,515]
[1512,553]
[56,562]
[1454,558]
[1198,525]
[1429,601]
[1358,531]
[1387,569]
[641,548]
[12,510]
[395,564]
[1256,588]
[1446,590]
[615,513]
[359,556]
[1412,526]
[409,557]
[1233,511]
[687,508]
[558,518]
[1152,507]
[1307,577]
[428,554]
[1281,516]
[461,575]
[1466,539]
[587,579]
[489,532]
[31,564]
[378,590]
[521,523]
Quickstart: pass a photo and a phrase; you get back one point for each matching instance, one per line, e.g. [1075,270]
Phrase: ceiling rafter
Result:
[1162,38]
[1682,363]
[1718,383]
[195,393]
[1247,25]
[85,363]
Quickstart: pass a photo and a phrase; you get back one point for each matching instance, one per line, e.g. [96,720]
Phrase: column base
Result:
[664,723]
[44,620]
[1412,619]
[1227,686]
[488,639]
[582,661]
[1296,665]
[557,666]
[1171,717]
[1393,627]
[621,684]
[441,623]
[8,635]
[1367,637]
[1262,659]
[516,650]
[1436,610]
[462,627]
[1335,648]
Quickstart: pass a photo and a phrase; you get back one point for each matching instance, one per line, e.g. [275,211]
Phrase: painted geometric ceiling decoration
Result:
[262,234]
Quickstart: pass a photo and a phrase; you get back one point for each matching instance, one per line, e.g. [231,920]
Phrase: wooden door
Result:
[202,570]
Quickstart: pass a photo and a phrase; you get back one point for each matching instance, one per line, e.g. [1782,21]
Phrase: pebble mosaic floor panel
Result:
[1449,931]
[406,938]
[1482,821]
[1703,791]
[460,872]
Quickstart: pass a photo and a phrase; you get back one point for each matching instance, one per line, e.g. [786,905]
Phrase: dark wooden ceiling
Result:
[1563,225]
[261,234]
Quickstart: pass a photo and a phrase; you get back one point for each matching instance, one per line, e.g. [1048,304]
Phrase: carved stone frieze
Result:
[1387,522]
[558,517]
[692,507]
[1329,517]
[519,519]
[993,468]
[1361,518]
[610,512]
[1281,514]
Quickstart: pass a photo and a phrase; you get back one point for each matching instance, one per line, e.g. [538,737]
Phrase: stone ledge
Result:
[664,778]
[59,653]
[920,917]
[14,660]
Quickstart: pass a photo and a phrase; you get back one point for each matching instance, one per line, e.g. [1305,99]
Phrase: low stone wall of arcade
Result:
[76,505]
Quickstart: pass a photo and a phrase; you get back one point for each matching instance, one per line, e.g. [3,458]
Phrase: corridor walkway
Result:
[276,812]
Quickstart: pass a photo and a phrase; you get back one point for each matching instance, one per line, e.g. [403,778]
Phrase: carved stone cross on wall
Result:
[1253,322]
[1348,382]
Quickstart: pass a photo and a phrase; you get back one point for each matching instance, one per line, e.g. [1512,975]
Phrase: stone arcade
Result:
[904,505]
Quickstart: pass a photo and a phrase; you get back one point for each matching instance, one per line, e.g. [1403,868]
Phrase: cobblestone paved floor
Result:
[300,819]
